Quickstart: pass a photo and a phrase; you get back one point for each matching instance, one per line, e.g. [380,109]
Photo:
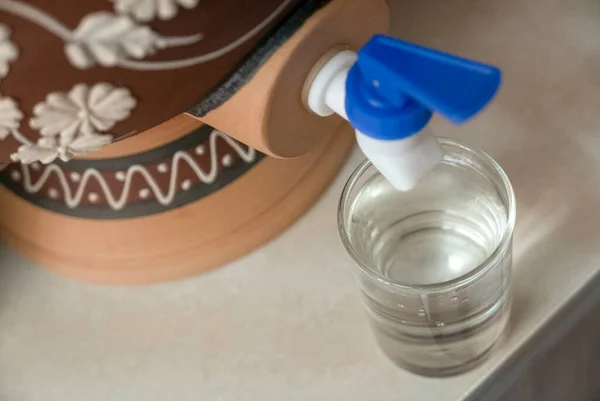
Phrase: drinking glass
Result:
[433,263]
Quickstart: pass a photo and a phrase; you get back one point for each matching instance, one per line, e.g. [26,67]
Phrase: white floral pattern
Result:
[8,51]
[82,111]
[74,123]
[146,10]
[71,124]
[10,116]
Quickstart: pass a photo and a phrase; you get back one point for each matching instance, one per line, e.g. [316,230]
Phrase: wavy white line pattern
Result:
[118,201]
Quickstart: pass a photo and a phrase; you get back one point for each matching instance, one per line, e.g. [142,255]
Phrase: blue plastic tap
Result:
[389,92]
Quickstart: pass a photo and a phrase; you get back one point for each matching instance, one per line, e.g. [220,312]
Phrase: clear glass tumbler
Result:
[434,263]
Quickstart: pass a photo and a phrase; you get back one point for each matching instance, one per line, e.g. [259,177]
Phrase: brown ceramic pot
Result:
[182,197]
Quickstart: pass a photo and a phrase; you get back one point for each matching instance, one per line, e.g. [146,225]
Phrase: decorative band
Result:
[155,181]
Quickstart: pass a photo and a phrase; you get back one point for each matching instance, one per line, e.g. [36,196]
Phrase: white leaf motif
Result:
[8,51]
[32,153]
[10,116]
[82,111]
[146,10]
[105,38]
[49,149]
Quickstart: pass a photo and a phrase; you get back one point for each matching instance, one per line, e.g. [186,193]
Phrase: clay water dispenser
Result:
[148,141]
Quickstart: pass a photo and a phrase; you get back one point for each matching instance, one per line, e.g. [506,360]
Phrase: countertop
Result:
[286,322]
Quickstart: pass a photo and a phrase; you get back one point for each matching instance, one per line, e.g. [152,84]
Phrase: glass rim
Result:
[472,275]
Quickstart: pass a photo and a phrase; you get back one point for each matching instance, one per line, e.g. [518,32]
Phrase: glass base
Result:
[444,354]
[449,371]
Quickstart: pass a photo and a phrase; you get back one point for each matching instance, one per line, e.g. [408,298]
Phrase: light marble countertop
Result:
[286,322]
